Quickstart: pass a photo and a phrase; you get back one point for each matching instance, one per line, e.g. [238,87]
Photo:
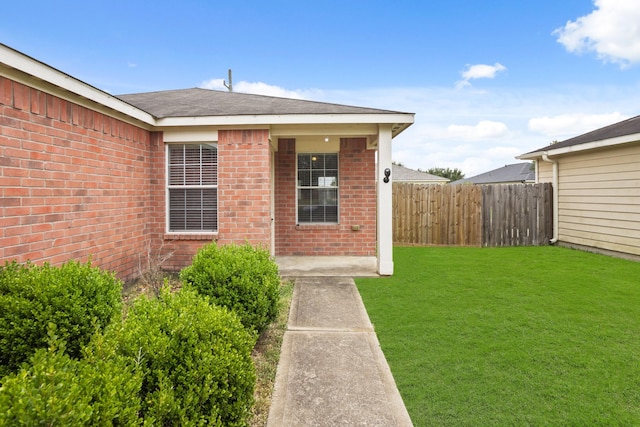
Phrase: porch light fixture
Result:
[326,139]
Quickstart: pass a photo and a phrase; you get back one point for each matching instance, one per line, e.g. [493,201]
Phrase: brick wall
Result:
[74,183]
[244,190]
[357,205]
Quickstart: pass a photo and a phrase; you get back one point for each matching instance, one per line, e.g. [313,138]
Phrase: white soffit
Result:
[345,130]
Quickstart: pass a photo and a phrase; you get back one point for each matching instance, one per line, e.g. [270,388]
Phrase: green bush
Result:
[114,381]
[242,278]
[195,358]
[77,298]
[101,389]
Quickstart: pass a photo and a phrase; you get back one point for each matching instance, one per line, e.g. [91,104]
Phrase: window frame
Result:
[318,187]
[169,187]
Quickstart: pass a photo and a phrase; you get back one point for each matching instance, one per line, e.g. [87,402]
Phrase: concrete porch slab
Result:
[323,266]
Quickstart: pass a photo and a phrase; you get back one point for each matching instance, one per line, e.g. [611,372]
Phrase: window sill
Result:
[191,236]
[317,226]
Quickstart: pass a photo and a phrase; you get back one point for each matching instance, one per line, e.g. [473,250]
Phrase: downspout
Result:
[556,197]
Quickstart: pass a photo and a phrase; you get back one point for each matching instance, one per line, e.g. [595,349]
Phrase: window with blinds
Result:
[317,197]
[192,187]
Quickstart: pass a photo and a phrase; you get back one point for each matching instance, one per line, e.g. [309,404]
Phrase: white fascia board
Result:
[39,70]
[603,143]
[530,156]
[286,119]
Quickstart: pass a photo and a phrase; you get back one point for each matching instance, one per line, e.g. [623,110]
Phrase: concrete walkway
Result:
[332,371]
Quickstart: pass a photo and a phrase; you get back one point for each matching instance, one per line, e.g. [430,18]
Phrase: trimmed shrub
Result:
[242,278]
[77,298]
[114,382]
[54,389]
[195,358]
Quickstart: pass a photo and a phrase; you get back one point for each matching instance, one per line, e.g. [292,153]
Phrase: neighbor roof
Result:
[401,173]
[626,127]
[199,102]
[517,172]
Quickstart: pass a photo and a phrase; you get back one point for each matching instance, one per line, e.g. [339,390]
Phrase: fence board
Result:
[472,215]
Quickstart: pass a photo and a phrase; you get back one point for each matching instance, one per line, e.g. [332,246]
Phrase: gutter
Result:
[556,197]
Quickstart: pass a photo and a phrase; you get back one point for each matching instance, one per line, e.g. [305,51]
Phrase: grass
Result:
[511,336]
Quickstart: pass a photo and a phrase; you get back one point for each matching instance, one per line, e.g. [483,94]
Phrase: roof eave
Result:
[41,71]
[399,121]
[594,145]
[30,71]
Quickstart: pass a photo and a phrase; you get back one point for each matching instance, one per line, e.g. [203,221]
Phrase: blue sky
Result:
[488,80]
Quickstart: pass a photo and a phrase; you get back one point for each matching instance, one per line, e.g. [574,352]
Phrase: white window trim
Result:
[306,224]
[167,187]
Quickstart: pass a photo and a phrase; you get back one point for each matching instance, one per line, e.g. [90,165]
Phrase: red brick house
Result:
[84,173]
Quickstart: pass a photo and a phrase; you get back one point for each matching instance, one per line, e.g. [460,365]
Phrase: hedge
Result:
[195,360]
[242,278]
[54,389]
[77,298]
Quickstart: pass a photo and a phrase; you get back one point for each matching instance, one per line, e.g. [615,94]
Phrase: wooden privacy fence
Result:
[472,215]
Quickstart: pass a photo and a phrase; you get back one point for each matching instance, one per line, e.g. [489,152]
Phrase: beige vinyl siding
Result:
[599,199]
[545,171]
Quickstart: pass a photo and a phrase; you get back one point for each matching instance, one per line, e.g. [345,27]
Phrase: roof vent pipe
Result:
[556,197]
[230,85]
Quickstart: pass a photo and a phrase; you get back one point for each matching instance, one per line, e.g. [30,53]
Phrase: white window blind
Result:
[193,187]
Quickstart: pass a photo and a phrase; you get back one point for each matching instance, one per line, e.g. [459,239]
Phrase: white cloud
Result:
[611,31]
[504,152]
[565,126]
[479,71]
[485,129]
[257,88]
[213,84]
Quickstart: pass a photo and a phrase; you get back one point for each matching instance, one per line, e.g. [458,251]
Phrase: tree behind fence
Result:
[472,215]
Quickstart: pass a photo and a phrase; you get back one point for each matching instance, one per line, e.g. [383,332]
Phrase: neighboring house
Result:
[517,173]
[403,174]
[596,183]
[87,174]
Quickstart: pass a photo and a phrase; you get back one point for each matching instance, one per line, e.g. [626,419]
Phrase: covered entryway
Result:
[332,197]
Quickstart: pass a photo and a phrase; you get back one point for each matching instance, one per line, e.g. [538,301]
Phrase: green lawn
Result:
[511,336]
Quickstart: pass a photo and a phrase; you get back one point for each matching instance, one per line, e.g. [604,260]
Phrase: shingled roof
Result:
[404,174]
[626,127]
[198,102]
[517,172]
